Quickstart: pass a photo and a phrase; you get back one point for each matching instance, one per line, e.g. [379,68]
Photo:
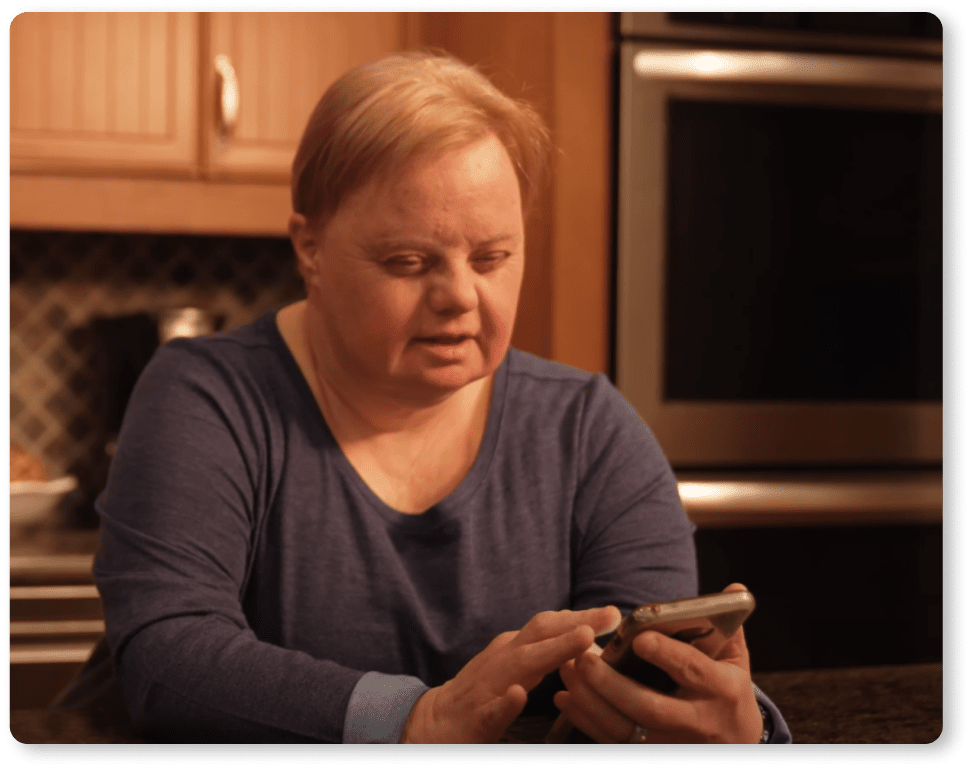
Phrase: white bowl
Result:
[32,502]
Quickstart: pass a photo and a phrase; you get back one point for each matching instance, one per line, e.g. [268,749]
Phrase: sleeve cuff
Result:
[780,733]
[379,707]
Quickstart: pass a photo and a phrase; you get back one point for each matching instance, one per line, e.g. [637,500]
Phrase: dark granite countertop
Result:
[888,704]
[892,704]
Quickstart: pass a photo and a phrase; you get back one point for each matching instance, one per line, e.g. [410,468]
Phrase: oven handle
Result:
[787,68]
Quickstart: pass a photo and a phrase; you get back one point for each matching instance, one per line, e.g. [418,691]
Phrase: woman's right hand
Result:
[487,695]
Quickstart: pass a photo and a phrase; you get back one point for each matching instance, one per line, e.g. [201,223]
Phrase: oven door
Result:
[779,268]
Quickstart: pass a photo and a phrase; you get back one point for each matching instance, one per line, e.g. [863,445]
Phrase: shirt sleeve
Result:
[178,521]
[379,707]
[779,733]
[632,542]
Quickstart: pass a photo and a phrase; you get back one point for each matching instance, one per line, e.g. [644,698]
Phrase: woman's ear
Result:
[305,242]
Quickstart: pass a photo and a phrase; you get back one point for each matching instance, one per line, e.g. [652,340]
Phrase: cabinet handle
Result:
[228,94]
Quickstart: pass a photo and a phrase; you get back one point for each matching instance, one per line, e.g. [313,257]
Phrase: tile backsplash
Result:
[61,281]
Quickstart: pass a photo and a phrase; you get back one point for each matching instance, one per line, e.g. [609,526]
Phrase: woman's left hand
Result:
[715,701]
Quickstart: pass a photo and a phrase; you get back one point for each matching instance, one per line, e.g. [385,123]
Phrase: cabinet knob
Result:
[228,88]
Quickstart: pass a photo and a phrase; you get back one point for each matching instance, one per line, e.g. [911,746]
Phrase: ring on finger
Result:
[639,734]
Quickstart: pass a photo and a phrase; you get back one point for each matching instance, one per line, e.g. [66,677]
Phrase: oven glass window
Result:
[804,253]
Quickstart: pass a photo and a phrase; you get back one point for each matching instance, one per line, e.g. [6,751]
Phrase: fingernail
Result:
[615,622]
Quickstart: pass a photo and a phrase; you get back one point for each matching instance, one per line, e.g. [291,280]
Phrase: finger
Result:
[548,624]
[688,666]
[588,711]
[501,641]
[735,650]
[527,665]
[497,716]
[578,718]
[638,703]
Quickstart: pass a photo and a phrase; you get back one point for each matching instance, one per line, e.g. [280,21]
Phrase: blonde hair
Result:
[377,117]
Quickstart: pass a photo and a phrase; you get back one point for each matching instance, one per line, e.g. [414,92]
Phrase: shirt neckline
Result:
[449,507]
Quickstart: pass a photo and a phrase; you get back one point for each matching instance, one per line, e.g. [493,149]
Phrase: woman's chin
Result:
[439,381]
[446,368]
[448,379]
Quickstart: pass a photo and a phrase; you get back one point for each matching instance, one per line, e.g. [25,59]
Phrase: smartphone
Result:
[705,622]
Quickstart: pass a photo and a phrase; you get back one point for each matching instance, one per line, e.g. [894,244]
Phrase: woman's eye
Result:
[404,265]
[489,261]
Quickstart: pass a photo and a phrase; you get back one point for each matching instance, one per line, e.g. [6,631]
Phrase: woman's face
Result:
[413,283]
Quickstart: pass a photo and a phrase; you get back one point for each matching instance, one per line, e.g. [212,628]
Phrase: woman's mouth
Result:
[445,340]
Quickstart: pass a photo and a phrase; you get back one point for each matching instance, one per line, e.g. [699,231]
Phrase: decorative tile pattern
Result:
[60,281]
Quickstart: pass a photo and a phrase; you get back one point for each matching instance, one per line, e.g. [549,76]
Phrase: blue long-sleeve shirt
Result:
[255,588]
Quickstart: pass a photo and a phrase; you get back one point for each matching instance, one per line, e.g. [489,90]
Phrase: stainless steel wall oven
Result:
[779,247]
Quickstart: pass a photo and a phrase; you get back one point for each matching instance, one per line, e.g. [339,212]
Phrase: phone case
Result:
[705,622]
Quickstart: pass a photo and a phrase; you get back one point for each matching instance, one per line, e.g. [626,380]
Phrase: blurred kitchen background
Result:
[150,158]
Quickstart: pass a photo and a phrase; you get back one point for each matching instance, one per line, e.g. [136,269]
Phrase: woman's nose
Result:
[453,290]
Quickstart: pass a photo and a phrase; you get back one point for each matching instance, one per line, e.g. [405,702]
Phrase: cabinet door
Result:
[109,92]
[283,62]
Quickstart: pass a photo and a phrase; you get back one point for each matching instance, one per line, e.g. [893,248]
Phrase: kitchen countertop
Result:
[900,704]
[887,704]
[867,705]
[53,557]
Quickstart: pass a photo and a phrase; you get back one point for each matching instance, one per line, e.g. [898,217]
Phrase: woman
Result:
[365,517]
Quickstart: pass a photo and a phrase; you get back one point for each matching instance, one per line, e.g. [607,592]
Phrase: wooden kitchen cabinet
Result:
[136,93]
[283,63]
[115,122]
[108,92]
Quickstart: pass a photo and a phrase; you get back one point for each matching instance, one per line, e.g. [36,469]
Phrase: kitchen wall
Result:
[59,281]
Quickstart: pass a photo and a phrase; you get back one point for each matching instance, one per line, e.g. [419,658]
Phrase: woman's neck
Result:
[358,410]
